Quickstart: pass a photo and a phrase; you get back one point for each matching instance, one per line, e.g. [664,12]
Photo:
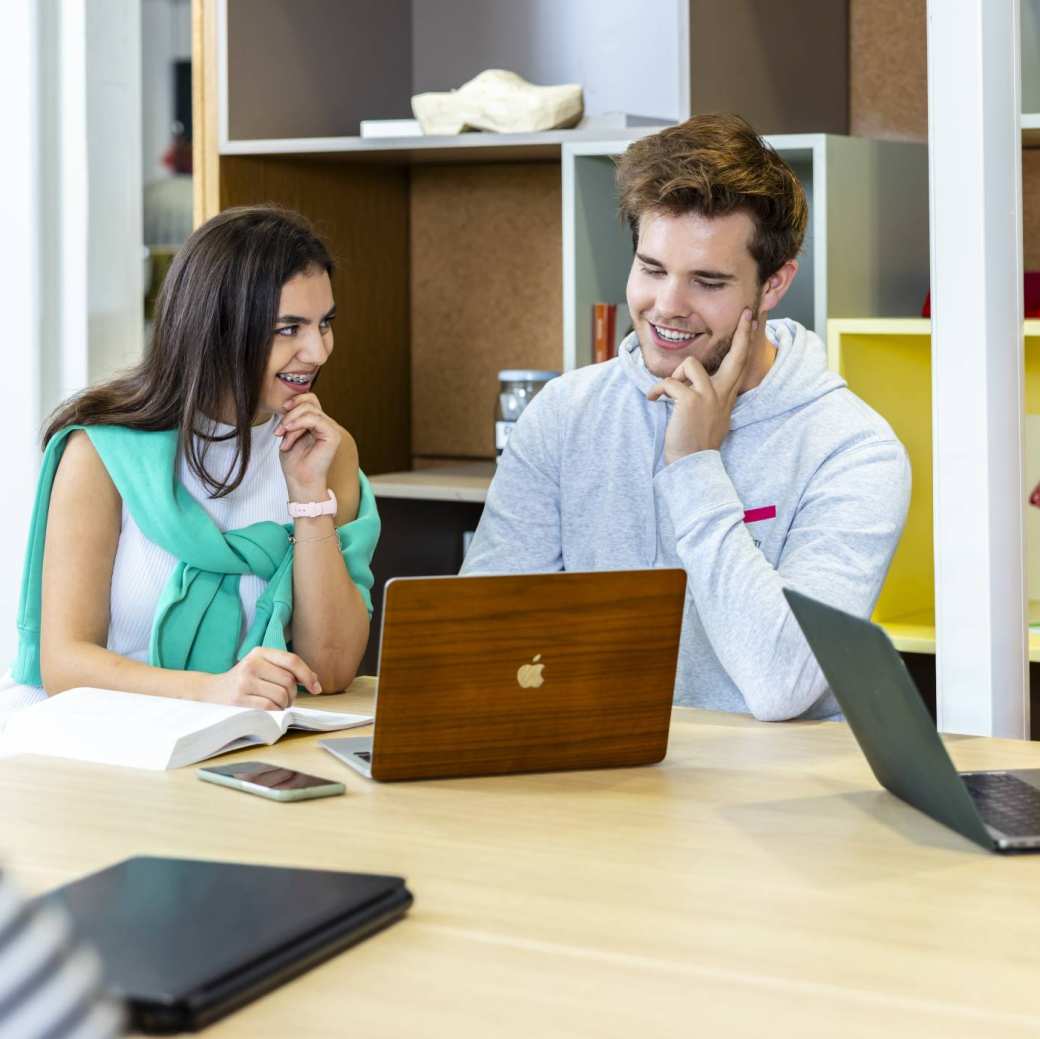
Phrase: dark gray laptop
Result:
[999,810]
[184,942]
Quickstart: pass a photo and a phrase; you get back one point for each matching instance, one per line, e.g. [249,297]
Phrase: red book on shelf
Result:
[1030,296]
[604,320]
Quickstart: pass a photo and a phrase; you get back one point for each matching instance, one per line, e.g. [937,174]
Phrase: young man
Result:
[715,441]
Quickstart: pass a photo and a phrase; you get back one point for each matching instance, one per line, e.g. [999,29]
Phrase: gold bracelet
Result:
[293,540]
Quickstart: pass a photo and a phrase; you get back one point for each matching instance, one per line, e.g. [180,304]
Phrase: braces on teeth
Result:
[295,378]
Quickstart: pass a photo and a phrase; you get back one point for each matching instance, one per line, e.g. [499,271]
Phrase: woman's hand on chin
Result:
[310,440]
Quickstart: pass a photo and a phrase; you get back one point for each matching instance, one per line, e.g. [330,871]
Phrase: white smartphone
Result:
[272,781]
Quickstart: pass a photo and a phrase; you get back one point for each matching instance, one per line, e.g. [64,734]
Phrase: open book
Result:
[155,732]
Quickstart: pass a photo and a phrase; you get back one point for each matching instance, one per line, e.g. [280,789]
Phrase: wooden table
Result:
[757,883]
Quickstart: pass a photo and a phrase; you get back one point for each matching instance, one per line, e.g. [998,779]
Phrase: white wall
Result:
[20,274]
[70,207]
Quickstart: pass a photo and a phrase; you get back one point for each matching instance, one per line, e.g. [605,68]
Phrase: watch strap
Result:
[311,509]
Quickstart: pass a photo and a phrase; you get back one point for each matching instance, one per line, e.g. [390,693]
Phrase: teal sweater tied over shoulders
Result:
[199,614]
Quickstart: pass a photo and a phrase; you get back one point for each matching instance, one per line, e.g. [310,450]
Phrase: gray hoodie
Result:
[809,491]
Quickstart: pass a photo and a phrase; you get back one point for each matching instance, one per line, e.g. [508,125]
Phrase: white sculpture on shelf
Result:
[500,101]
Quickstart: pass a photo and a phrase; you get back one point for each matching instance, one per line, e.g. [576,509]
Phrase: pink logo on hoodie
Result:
[764,512]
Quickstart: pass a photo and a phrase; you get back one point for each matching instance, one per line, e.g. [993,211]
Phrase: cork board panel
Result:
[888,69]
[362,212]
[1031,208]
[487,294]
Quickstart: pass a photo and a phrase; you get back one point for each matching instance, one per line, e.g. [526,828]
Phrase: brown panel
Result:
[486,294]
[314,68]
[1031,208]
[783,66]
[362,211]
[888,69]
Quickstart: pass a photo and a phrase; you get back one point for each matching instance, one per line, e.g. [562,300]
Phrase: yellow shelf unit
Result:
[887,362]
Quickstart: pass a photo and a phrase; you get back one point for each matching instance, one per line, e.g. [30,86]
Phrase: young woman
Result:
[160,560]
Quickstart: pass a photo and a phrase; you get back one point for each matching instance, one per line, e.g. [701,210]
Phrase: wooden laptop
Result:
[522,673]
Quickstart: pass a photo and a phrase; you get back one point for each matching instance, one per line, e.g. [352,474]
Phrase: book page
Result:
[319,721]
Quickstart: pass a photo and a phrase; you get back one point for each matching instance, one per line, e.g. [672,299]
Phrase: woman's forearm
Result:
[330,619]
[73,664]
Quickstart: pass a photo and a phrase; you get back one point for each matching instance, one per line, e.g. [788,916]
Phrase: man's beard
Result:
[713,361]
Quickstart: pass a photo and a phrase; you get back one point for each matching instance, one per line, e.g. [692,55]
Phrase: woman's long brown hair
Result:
[214,326]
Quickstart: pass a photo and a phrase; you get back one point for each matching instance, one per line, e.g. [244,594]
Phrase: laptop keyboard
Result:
[1006,802]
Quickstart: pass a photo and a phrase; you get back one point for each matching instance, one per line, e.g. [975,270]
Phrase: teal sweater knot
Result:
[199,614]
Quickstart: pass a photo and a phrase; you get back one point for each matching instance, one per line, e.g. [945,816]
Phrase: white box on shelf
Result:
[390,128]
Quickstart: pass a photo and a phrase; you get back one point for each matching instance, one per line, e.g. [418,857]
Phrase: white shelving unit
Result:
[290,71]
[865,253]
[366,61]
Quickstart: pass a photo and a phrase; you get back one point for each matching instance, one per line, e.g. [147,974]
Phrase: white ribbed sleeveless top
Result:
[142,568]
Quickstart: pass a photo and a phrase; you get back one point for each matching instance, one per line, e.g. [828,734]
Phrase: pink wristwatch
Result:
[310,509]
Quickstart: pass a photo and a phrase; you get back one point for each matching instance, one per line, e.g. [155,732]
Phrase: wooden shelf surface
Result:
[467,481]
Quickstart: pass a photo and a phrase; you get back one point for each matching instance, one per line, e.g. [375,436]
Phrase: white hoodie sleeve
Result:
[837,550]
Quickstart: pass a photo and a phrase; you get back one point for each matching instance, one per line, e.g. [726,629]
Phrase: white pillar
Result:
[115,236]
[974,141]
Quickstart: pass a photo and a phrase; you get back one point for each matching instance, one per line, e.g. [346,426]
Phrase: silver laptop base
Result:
[355,751]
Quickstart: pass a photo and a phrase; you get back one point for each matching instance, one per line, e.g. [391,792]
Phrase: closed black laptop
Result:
[999,810]
[186,942]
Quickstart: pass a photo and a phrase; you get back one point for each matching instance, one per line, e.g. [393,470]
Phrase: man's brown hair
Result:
[715,165]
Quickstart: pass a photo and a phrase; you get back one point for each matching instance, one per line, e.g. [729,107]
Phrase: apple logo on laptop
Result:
[530,675]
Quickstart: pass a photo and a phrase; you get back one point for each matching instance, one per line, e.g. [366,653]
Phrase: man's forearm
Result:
[837,548]
[739,598]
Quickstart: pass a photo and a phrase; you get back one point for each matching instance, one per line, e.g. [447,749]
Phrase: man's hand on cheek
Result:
[703,403]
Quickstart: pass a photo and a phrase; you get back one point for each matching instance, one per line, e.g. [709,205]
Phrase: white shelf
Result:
[467,482]
[456,148]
